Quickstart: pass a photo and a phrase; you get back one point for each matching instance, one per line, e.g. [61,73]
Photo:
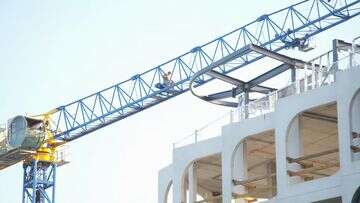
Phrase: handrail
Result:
[267,105]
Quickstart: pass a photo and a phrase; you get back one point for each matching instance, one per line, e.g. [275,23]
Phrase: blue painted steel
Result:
[39,182]
[286,28]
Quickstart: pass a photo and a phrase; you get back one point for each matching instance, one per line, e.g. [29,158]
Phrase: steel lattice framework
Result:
[286,28]
[39,182]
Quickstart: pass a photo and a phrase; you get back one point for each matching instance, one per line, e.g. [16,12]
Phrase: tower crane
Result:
[35,140]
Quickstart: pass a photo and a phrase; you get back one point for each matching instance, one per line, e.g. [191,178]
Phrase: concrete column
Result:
[294,147]
[345,139]
[226,162]
[240,170]
[281,164]
[344,120]
[192,182]
[179,188]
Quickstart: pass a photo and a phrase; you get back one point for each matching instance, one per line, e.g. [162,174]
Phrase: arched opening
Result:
[202,180]
[355,127]
[312,146]
[254,168]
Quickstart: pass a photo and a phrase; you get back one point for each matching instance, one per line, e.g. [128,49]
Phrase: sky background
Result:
[53,52]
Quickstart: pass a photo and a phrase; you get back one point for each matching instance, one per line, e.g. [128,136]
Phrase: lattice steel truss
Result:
[288,27]
[39,182]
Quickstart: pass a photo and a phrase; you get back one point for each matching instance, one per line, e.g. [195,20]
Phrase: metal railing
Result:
[210,130]
[311,77]
[320,73]
[62,155]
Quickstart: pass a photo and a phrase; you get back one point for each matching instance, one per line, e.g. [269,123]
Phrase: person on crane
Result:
[167,82]
[167,79]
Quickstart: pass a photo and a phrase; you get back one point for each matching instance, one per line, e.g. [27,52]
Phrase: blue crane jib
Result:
[286,28]
[36,140]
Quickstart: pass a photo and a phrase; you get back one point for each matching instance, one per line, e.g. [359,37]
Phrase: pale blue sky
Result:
[53,52]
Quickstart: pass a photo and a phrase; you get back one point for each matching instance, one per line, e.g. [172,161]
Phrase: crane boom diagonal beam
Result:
[288,27]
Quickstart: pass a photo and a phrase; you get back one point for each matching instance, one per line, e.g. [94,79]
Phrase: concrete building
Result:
[299,143]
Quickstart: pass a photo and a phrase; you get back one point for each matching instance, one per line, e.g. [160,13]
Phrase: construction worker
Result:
[167,82]
[167,79]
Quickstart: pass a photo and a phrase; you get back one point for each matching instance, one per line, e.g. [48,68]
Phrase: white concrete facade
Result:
[342,184]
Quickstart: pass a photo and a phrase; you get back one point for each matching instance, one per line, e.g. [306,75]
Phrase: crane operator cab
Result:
[22,133]
[26,133]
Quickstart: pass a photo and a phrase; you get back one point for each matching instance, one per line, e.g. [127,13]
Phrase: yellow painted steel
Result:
[47,152]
